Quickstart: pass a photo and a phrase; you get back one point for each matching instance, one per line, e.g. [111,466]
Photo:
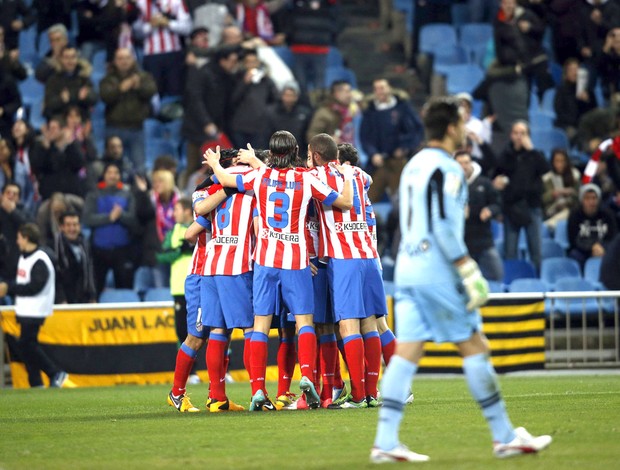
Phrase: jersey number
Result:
[223,214]
[357,204]
[281,203]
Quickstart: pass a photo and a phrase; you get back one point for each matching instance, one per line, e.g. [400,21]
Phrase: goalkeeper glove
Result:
[476,286]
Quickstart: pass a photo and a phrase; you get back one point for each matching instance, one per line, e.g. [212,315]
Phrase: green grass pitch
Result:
[132,427]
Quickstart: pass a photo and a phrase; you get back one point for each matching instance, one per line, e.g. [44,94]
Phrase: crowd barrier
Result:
[131,343]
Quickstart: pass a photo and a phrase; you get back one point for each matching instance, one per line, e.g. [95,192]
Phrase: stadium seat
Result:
[541,119]
[99,62]
[518,269]
[552,269]
[496,287]
[547,102]
[285,54]
[32,91]
[459,13]
[27,47]
[333,74]
[334,57]
[143,280]
[528,285]
[157,147]
[43,45]
[435,36]
[551,249]
[158,294]
[546,140]
[118,295]
[462,77]
[591,271]
[449,55]
[575,306]
[561,233]
[474,38]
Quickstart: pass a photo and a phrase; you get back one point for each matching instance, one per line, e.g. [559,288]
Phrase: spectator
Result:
[34,290]
[15,16]
[99,24]
[57,160]
[9,59]
[10,102]
[127,91]
[48,215]
[254,91]
[80,131]
[110,212]
[69,86]
[524,167]
[597,18]
[566,29]
[12,216]
[23,139]
[590,226]
[561,189]
[391,131]
[59,39]
[114,152]
[311,29]
[482,207]
[163,25]
[51,13]
[335,116]
[610,265]
[479,131]
[207,103]
[12,170]
[609,66]
[254,18]
[198,52]
[289,114]
[75,283]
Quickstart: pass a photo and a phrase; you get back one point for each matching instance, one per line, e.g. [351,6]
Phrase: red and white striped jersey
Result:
[282,197]
[161,40]
[199,256]
[345,234]
[232,240]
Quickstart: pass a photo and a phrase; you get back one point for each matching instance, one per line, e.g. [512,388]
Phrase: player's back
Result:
[433,195]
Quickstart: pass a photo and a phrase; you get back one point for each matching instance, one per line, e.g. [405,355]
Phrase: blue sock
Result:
[483,386]
[395,387]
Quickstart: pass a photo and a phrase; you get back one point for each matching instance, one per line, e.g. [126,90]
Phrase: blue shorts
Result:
[293,285]
[193,287]
[356,288]
[434,312]
[227,301]
[322,302]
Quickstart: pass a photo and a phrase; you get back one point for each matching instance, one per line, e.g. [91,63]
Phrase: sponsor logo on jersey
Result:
[282,237]
[226,240]
[351,226]
[312,226]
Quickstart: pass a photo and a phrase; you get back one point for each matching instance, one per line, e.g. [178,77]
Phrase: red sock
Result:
[286,351]
[185,361]
[388,345]
[354,352]
[372,359]
[338,382]
[216,365]
[329,358]
[247,355]
[307,351]
[258,361]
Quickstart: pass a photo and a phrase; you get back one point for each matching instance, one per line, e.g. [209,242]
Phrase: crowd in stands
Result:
[107,106]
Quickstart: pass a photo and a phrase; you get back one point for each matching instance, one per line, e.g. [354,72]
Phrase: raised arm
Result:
[213,160]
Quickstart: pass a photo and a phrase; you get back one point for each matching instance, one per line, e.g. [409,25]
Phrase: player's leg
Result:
[328,357]
[286,360]
[388,340]
[372,358]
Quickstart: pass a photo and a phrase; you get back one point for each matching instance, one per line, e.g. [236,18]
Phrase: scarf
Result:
[255,21]
[592,166]
[347,129]
[164,214]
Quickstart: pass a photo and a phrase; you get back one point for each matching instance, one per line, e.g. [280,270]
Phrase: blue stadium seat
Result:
[143,280]
[333,74]
[560,234]
[157,147]
[435,36]
[551,249]
[285,54]
[158,294]
[528,285]
[541,119]
[518,269]
[546,140]
[31,90]
[27,46]
[334,57]
[591,271]
[474,38]
[547,102]
[552,269]
[43,46]
[462,77]
[459,13]
[99,62]
[449,55]
[496,287]
[575,306]
[118,295]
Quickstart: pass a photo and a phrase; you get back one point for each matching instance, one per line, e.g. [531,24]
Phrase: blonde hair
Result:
[166,178]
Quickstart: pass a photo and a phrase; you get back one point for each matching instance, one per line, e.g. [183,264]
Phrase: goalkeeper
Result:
[438,291]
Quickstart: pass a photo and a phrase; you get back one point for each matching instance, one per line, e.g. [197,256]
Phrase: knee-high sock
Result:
[216,365]
[247,353]
[307,351]
[388,345]
[395,387]
[354,353]
[338,382]
[186,357]
[286,352]
[372,361]
[329,357]
[258,361]
[483,386]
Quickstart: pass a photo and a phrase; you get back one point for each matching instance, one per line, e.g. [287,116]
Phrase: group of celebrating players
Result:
[289,244]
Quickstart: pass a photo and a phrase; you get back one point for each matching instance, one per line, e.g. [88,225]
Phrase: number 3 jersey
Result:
[282,197]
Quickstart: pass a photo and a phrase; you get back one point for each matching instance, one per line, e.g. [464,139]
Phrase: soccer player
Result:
[281,257]
[196,333]
[439,290]
[353,275]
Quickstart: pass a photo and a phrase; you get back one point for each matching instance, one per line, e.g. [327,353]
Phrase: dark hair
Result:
[11,183]
[283,149]
[337,84]
[65,214]
[348,153]
[439,114]
[325,146]
[227,156]
[165,162]
[225,51]
[461,152]
[186,203]
[567,177]
[31,232]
